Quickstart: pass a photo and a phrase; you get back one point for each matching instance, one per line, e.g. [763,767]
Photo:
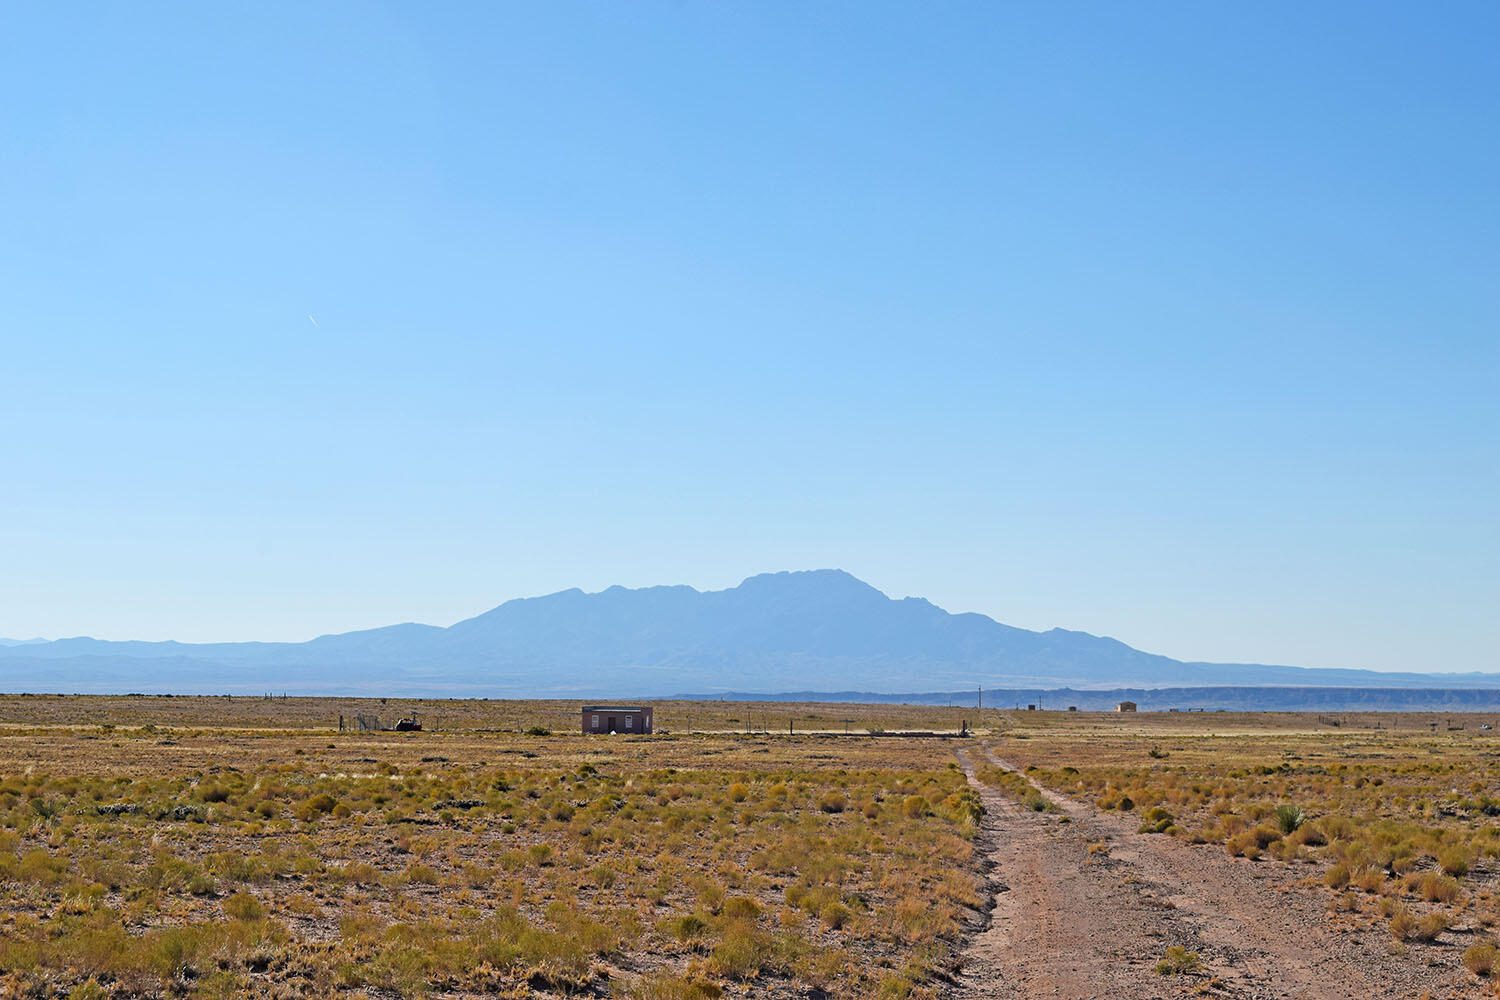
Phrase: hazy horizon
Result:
[304,638]
[1169,324]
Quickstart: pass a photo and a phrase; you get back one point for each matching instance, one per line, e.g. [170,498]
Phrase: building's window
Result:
[594,724]
[629,722]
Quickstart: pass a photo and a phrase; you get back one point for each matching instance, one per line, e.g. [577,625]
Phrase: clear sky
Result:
[1172,322]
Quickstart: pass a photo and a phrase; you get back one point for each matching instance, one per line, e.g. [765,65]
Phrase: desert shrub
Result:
[710,895]
[665,986]
[1178,961]
[1155,820]
[1480,958]
[1431,925]
[213,793]
[741,952]
[1333,828]
[686,927]
[1264,836]
[915,807]
[1284,849]
[835,915]
[741,908]
[41,867]
[1289,818]
[243,906]
[1244,845]
[832,802]
[1403,925]
[1455,861]
[896,987]
[1308,835]
[1437,888]
[89,989]
[317,805]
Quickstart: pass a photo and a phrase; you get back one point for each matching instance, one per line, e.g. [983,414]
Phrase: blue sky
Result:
[1170,322]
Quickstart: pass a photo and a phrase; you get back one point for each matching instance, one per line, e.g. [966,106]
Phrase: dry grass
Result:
[240,847]
[252,862]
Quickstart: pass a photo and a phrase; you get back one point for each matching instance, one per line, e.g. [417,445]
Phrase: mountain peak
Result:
[821,629]
[823,581]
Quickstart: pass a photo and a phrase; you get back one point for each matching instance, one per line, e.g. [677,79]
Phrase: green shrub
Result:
[1289,818]
[741,952]
[1178,961]
[318,805]
[686,927]
[835,915]
[243,906]
[741,908]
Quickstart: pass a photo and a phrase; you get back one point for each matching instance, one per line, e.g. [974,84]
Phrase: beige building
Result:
[616,719]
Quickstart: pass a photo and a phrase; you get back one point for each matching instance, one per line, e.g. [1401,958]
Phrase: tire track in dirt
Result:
[1070,924]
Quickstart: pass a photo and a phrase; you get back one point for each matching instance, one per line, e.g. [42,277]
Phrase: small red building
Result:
[616,719]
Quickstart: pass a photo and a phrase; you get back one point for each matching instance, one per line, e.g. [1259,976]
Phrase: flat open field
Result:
[242,847]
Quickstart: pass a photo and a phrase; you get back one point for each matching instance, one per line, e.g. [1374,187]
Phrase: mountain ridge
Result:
[774,632]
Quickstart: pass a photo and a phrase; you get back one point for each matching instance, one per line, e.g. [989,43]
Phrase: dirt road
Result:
[1068,923]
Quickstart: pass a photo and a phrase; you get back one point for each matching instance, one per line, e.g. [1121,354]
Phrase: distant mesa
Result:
[810,631]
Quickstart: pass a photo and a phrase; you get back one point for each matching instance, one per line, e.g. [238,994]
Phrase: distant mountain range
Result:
[820,630]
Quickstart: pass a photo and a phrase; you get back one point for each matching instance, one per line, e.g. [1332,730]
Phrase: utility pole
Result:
[981,697]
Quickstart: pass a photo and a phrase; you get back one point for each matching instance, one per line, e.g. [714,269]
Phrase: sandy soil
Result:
[1070,924]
